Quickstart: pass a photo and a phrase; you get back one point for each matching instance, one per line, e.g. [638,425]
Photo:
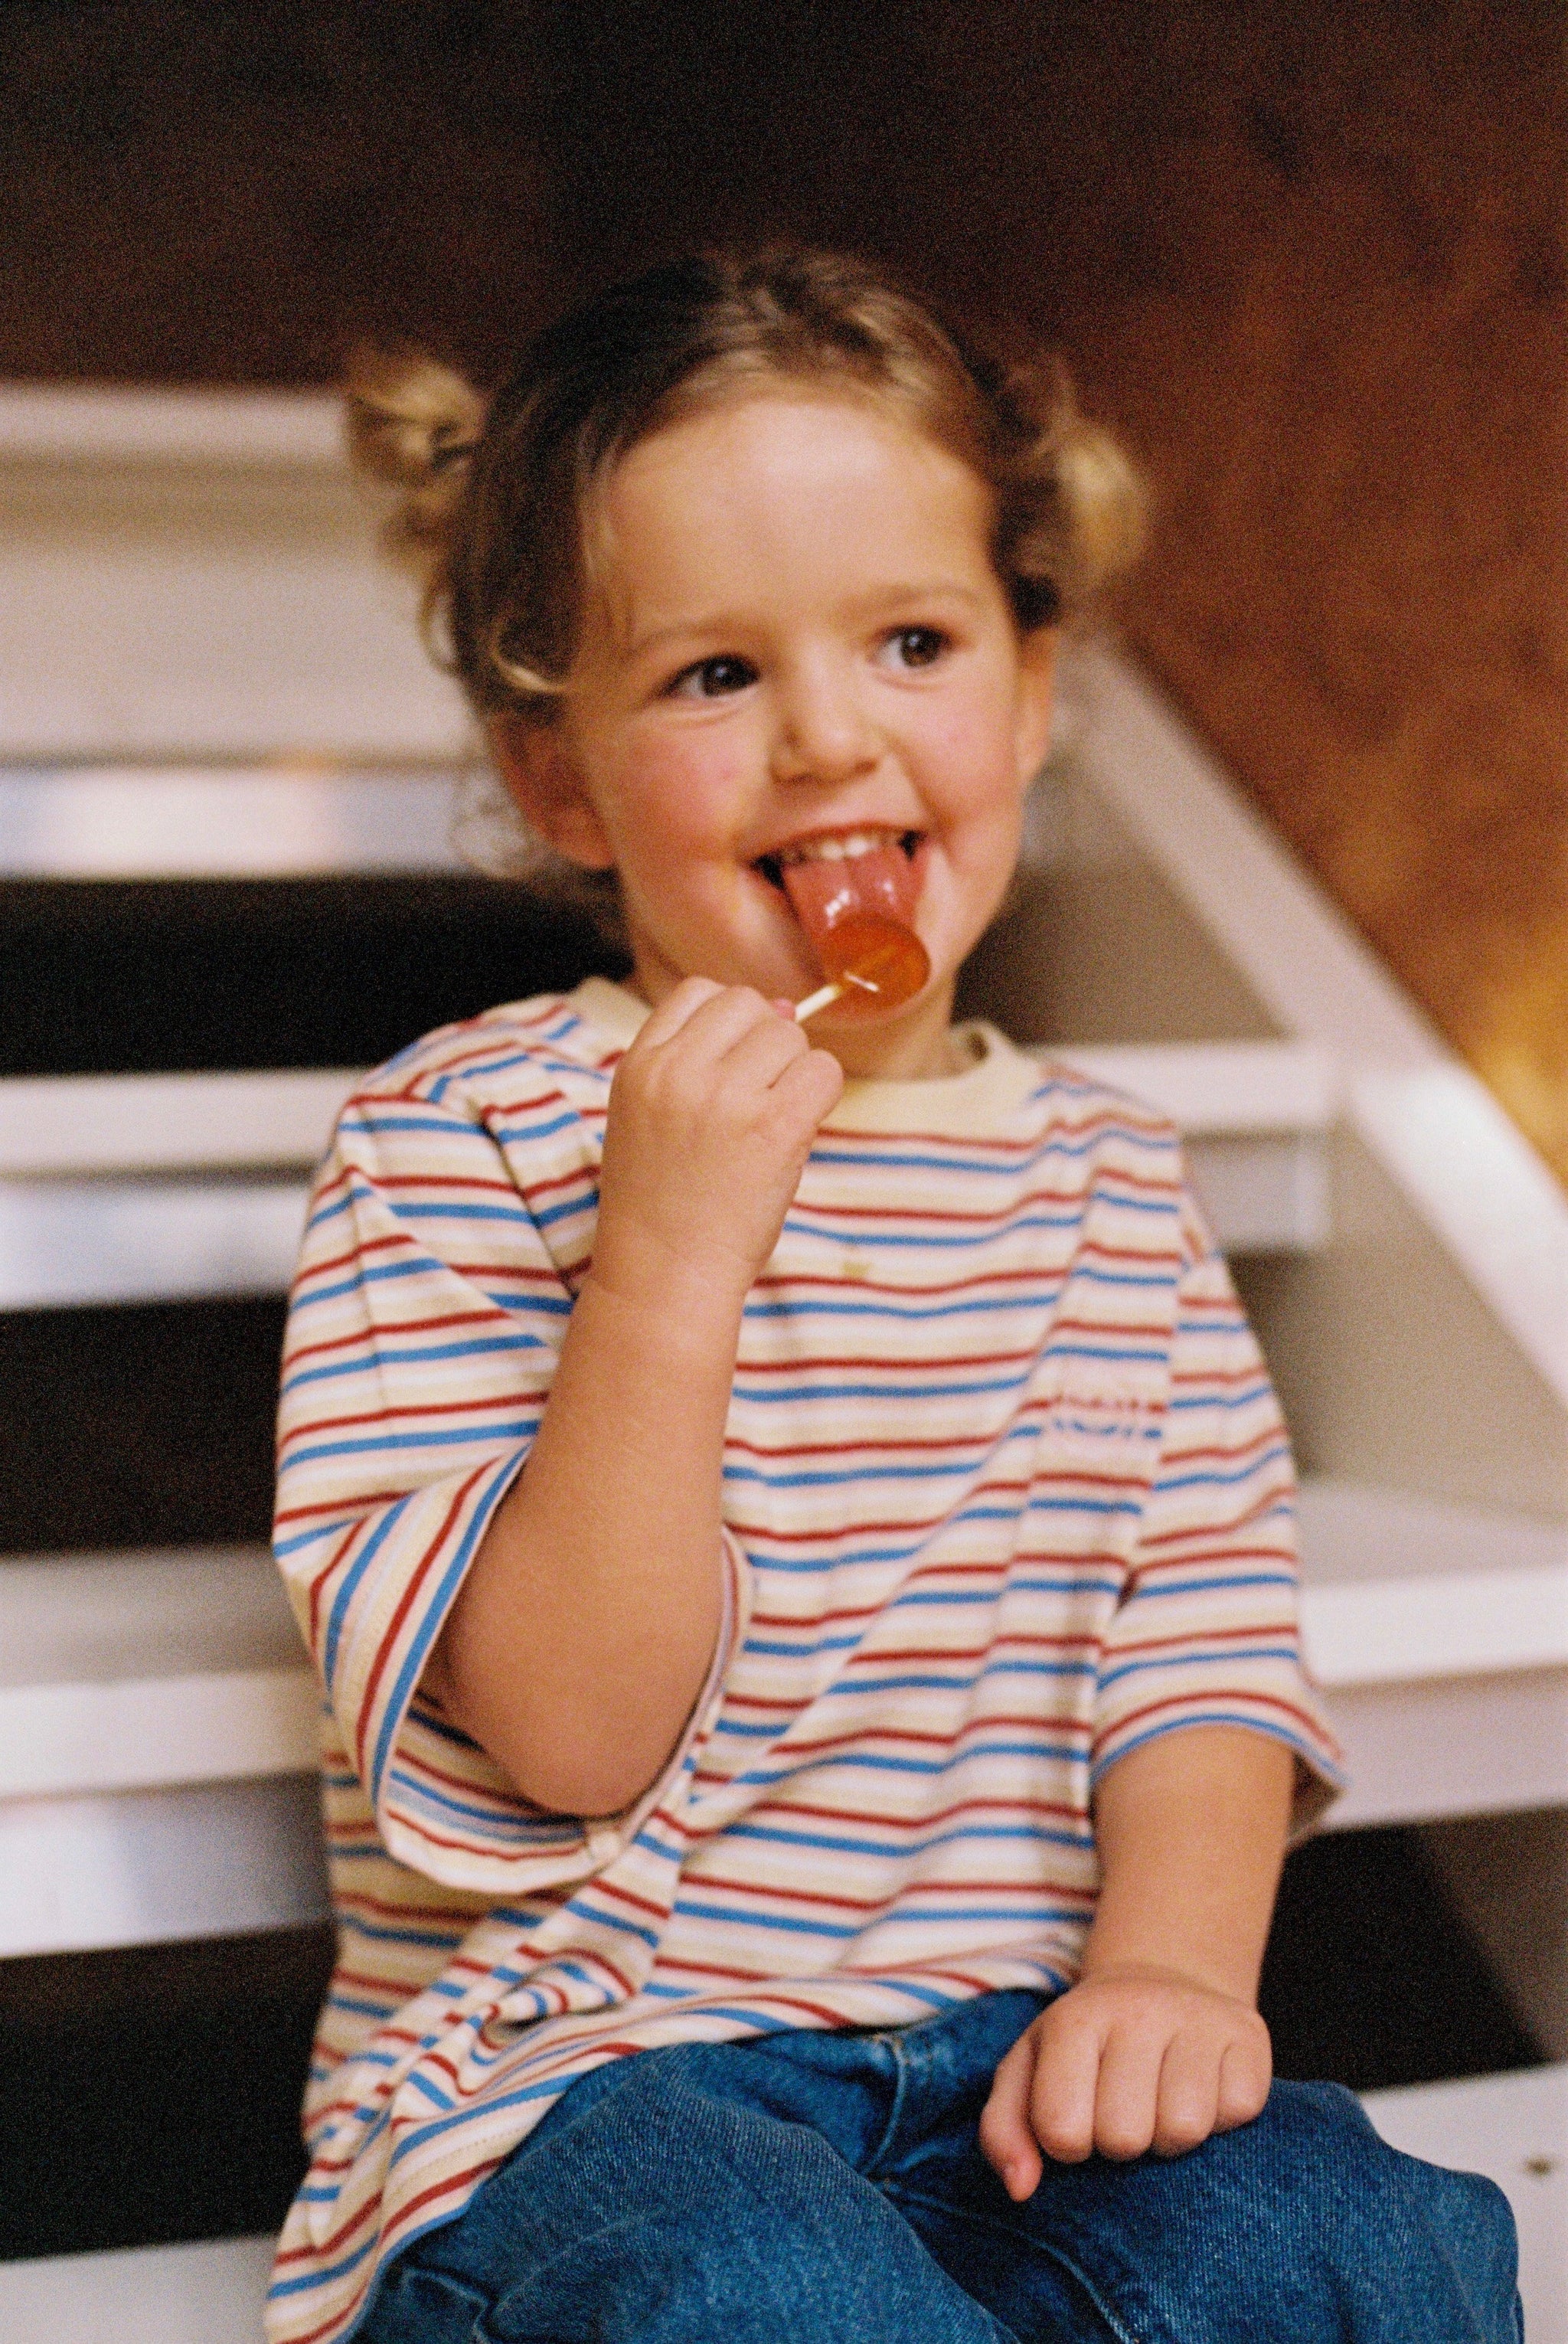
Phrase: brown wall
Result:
[1311,260]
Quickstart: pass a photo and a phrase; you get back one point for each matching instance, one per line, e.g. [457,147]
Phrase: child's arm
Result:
[587,1624]
[1160,2043]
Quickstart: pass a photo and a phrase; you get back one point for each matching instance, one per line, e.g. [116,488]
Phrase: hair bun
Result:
[1105,507]
[411,422]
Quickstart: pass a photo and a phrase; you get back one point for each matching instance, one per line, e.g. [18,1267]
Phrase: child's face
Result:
[796,633]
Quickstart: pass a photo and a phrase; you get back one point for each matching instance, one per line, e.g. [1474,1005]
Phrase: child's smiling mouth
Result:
[866,880]
[834,846]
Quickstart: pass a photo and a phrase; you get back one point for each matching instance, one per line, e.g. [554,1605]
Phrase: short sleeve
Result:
[1207,1631]
[434,1290]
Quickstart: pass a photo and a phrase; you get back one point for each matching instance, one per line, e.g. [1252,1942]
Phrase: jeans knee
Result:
[666,2132]
[1329,2178]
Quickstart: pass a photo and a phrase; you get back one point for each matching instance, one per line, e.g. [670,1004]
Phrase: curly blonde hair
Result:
[495,496]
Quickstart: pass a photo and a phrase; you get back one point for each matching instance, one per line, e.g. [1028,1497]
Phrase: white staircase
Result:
[206,2294]
[1403,1254]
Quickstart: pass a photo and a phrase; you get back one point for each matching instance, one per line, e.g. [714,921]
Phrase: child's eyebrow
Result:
[877,601]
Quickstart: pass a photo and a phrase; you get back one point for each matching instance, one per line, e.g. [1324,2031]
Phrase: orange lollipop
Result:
[871,961]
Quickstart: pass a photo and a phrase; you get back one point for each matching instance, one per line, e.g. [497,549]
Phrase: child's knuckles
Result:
[1244,2089]
[1175,2136]
[1122,2136]
[1061,2119]
[1066,2141]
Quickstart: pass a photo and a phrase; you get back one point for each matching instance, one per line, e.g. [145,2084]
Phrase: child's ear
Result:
[1036,697]
[537,763]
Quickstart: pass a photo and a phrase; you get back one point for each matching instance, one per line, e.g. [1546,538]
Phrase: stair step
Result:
[1514,2129]
[1439,1635]
[150,1702]
[158,1748]
[1213,1089]
[148,1867]
[54,1127]
[74,1229]
[1399,1588]
[225,822]
[122,1672]
[67,1242]
[207,2293]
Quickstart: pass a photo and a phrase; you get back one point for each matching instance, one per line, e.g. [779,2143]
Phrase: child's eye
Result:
[710,678]
[917,646]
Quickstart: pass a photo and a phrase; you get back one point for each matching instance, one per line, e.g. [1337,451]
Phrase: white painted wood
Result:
[65,1242]
[1317,978]
[1514,2129]
[211,2293]
[1450,1747]
[59,1739]
[1398,1587]
[1397,1632]
[140,1672]
[55,1126]
[1253,1114]
[157,1751]
[151,1867]
[75,1243]
[196,575]
[1350,1532]
[61,1124]
[223,822]
[1238,1090]
[174,1612]
[1263,1195]
[1479,1185]
[1428,1121]
[100,424]
[1439,1635]
[1393,1371]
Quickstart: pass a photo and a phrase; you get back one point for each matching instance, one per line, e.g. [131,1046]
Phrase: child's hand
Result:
[713,1114]
[1128,2060]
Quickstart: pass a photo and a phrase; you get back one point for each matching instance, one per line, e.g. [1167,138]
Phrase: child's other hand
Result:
[1129,2060]
[712,1113]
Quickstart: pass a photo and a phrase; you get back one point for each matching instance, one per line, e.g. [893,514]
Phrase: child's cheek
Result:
[659,820]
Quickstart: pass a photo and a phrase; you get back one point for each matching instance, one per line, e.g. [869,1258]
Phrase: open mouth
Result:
[836,846]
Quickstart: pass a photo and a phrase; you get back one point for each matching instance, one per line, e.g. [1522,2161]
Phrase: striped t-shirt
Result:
[1007,1493]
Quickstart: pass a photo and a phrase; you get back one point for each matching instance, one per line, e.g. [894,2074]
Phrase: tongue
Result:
[858,911]
[828,890]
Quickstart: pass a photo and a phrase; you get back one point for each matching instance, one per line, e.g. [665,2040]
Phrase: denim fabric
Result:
[803,2187]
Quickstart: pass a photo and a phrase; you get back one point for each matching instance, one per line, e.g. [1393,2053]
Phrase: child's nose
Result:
[824,733]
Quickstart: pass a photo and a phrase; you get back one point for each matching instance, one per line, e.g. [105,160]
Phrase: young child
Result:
[795,1531]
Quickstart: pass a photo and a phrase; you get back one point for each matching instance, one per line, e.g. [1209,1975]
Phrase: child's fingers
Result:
[760,1051]
[1246,2072]
[1127,2094]
[1066,2082]
[665,1020]
[1007,2141]
[729,1032]
[815,1083]
[1189,2095]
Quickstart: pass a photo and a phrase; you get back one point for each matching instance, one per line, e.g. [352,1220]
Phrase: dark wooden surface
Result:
[1311,260]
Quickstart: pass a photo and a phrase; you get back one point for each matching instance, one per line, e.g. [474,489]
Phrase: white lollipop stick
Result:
[820,999]
[825,994]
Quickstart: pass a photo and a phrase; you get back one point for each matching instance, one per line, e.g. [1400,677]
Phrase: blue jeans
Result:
[801,2188]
